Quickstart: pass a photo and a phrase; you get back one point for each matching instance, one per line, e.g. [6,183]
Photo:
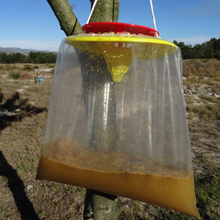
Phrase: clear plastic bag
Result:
[126,136]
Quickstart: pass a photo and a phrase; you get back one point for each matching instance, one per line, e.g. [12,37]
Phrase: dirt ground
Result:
[23,115]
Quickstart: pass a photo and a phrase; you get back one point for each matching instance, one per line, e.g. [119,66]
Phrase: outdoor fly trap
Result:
[117,119]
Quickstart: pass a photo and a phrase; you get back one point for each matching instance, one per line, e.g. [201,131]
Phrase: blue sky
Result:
[31,24]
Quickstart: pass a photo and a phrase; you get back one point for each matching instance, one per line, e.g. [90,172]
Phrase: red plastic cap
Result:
[102,27]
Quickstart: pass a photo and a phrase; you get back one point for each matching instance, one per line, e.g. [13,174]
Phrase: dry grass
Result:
[203,117]
[206,112]
[22,136]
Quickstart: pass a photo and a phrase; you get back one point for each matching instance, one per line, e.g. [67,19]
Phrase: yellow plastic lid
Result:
[119,51]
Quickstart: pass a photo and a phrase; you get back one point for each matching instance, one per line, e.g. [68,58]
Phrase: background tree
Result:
[208,49]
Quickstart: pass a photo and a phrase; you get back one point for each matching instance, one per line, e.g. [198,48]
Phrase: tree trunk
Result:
[98,206]
[102,206]
[105,10]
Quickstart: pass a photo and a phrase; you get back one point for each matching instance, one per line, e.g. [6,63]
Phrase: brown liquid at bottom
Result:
[72,164]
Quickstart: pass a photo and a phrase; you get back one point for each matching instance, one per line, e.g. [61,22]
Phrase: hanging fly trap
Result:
[117,120]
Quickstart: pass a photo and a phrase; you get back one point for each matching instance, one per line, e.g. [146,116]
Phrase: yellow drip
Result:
[118,59]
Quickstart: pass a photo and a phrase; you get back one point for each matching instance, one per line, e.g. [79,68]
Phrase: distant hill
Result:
[22,51]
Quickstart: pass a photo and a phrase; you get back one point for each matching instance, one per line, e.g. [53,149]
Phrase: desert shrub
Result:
[1,95]
[208,197]
[210,98]
[190,116]
[206,112]
[193,80]
[9,67]
[27,67]
[217,78]
[187,74]
[189,99]
[2,210]
[213,82]
[14,75]
[215,90]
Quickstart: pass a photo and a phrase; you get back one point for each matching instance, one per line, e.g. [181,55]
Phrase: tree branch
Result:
[66,17]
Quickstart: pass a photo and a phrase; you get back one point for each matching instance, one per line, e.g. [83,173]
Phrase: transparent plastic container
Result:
[117,120]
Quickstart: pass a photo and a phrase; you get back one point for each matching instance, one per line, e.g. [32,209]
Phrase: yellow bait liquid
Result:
[69,163]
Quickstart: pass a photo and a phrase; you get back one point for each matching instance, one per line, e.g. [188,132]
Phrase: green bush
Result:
[205,60]
[14,75]
[2,211]
[208,197]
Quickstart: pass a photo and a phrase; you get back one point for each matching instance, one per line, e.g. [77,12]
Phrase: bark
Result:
[101,117]
[66,17]
[98,206]
[102,206]
[105,10]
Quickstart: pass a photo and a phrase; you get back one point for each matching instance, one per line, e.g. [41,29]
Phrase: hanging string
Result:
[151,6]
[93,7]
[152,11]
[113,11]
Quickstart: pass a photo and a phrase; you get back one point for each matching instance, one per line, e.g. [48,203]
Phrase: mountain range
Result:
[23,51]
